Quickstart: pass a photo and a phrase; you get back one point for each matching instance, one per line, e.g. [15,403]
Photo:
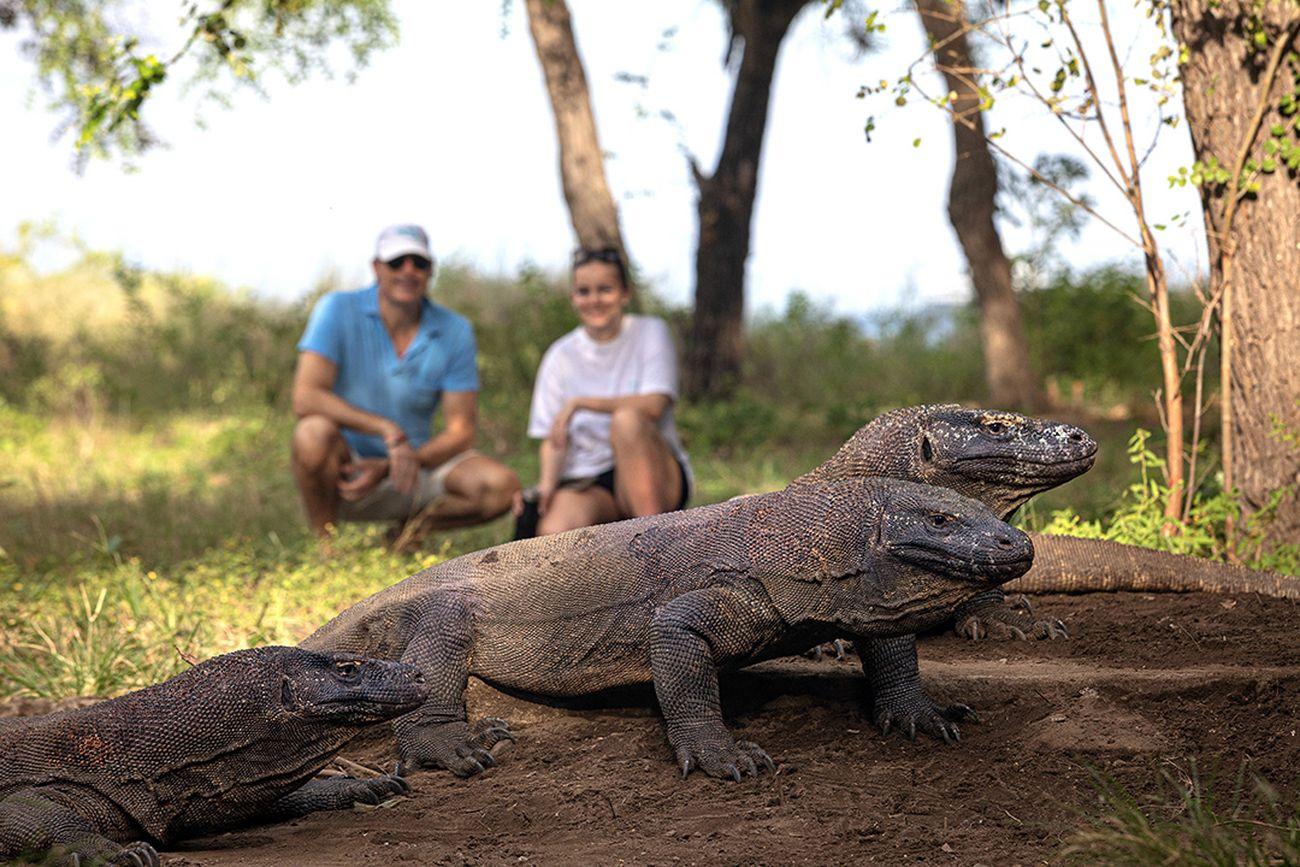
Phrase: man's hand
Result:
[559,435]
[360,476]
[403,465]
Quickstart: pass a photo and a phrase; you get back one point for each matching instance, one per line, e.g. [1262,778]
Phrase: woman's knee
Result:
[628,424]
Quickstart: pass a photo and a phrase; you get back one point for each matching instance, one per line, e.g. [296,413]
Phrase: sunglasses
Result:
[420,263]
[582,256]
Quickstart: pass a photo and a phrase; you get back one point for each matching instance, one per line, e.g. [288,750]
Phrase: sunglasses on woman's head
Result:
[582,256]
[420,263]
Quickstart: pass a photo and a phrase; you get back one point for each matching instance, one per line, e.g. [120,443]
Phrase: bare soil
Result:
[1145,681]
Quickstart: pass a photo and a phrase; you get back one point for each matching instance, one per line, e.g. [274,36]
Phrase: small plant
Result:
[1140,519]
[1191,821]
[75,651]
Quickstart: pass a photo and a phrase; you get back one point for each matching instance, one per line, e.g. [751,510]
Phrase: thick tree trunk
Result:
[582,163]
[726,201]
[971,206]
[1261,252]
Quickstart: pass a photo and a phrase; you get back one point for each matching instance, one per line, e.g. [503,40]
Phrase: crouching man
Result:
[373,366]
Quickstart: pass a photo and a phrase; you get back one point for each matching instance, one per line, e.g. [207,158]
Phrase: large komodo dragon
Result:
[1003,459]
[233,740]
[672,599]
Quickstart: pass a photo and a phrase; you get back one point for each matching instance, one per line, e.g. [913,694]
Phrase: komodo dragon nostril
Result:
[1006,542]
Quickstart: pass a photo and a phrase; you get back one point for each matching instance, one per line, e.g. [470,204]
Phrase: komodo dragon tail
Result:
[1065,564]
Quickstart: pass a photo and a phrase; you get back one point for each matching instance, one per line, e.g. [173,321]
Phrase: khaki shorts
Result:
[384,503]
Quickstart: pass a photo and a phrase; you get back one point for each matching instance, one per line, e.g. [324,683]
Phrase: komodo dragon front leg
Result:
[897,699]
[438,734]
[36,820]
[690,638]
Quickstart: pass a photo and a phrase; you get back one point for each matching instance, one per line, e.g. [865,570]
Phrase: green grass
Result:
[127,546]
[1190,820]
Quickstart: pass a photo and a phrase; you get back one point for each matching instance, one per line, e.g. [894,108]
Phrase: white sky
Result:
[452,129]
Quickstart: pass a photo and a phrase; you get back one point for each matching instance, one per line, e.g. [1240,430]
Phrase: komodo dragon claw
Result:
[138,854]
[490,731]
[456,746]
[1012,619]
[735,760]
[839,646]
[918,713]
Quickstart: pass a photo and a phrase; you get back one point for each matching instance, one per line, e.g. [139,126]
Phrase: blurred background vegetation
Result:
[148,510]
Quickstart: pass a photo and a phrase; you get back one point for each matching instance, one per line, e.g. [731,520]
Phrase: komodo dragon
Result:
[233,740]
[1003,459]
[672,599]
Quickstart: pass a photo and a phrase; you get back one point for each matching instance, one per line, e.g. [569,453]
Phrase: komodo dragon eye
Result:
[938,520]
[997,428]
[348,669]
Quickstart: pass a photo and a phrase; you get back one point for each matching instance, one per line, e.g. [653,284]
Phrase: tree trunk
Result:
[971,206]
[1261,249]
[726,201]
[582,164]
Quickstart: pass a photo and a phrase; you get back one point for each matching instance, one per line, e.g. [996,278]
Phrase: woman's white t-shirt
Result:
[640,360]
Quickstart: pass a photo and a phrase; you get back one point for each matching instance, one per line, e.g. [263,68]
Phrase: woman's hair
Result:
[610,255]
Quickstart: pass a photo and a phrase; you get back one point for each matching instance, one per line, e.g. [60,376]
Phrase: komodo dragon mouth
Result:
[988,571]
[995,467]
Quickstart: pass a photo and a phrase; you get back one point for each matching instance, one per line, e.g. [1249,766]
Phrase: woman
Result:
[603,408]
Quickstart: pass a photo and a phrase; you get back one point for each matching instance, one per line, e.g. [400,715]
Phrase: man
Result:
[373,366]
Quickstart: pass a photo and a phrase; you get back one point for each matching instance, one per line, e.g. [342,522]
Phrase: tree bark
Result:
[726,200]
[582,163]
[971,207]
[1258,258]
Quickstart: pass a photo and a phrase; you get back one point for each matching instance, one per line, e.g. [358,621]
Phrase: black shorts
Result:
[526,524]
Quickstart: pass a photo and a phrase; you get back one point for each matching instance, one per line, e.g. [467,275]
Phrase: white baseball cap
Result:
[400,240]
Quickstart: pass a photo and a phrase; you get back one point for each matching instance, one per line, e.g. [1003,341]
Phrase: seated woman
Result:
[603,408]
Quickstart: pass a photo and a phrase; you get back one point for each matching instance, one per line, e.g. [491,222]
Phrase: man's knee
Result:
[492,487]
[628,425]
[315,441]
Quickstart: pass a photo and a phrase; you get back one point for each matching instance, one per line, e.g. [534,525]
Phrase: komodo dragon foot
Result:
[1009,617]
[336,793]
[138,854]
[463,749]
[724,758]
[839,649]
[913,711]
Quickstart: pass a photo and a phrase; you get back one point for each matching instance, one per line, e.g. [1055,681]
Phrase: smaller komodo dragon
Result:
[671,599]
[233,740]
[1003,459]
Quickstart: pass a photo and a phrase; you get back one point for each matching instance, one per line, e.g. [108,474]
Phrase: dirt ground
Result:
[1145,681]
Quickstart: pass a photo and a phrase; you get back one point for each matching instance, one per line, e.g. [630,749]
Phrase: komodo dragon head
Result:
[999,458]
[881,557]
[345,689]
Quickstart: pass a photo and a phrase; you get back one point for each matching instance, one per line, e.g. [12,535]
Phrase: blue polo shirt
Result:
[345,328]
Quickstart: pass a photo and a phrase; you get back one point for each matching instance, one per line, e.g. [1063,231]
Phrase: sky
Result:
[451,129]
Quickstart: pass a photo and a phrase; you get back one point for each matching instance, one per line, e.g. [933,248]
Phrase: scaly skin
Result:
[999,458]
[1064,564]
[233,740]
[672,599]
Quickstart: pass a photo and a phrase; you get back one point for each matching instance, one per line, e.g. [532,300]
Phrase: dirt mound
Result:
[1145,680]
